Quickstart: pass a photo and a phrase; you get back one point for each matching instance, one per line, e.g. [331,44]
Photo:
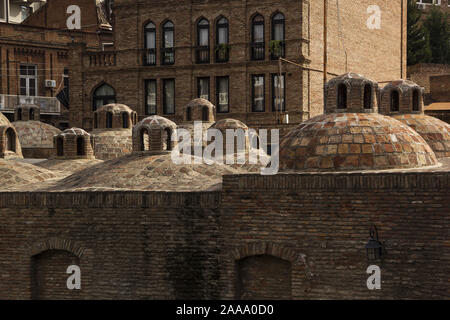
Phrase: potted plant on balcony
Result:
[222,50]
[275,47]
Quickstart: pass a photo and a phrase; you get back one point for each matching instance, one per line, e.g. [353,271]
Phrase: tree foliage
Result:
[418,40]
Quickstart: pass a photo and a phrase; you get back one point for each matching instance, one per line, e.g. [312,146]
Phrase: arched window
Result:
[10,140]
[31,117]
[188,114]
[109,120]
[277,43]
[168,52]
[103,95]
[205,113]
[95,121]
[125,120]
[367,96]
[342,96]
[19,114]
[395,101]
[222,40]
[60,146]
[203,41]
[80,146]
[415,100]
[150,44]
[144,140]
[258,43]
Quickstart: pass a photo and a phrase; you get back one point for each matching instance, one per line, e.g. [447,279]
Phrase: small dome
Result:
[199,110]
[229,124]
[74,132]
[154,134]
[200,102]
[401,97]
[353,141]
[4,120]
[35,134]
[115,108]
[156,122]
[27,111]
[434,131]
[351,92]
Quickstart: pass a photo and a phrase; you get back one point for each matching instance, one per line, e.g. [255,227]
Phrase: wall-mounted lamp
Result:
[374,247]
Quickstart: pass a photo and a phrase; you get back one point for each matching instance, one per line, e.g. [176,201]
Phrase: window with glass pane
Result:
[168,35]
[203,33]
[150,44]
[150,97]
[222,31]
[258,45]
[278,92]
[27,80]
[278,27]
[203,88]
[258,93]
[169,96]
[222,92]
[103,95]
[2,10]
[168,53]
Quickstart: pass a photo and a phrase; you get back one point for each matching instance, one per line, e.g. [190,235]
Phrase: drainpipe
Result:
[325,41]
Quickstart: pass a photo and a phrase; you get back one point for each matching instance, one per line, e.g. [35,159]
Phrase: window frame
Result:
[27,78]
[148,50]
[274,22]
[107,97]
[218,108]
[263,94]
[199,79]
[254,45]
[165,49]
[164,96]
[146,91]
[219,26]
[272,79]
[6,10]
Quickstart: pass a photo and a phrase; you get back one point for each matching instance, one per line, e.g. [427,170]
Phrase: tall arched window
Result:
[80,146]
[222,40]
[367,96]
[277,43]
[60,146]
[10,140]
[125,120]
[203,41]
[258,43]
[342,96]
[168,51]
[109,120]
[103,95]
[395,101]
[415,100]
[150,44]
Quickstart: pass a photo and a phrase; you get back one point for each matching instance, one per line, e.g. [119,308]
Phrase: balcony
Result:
[167,56]
[202,54]
[149,57]
[102,59]
[222,53]
[277,49]
[47,105]
[257,50]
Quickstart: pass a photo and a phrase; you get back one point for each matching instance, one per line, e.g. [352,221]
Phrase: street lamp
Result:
[374,247]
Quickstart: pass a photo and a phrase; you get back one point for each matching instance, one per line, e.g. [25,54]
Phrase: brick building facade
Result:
[228,54]
[37,50]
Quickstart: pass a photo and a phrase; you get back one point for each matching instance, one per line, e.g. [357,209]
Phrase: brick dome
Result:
[154,134]
[434,131]
[199,110]
[401,97]
[114,116]
[229,124]
[35,134]
[353,141]
[73,143]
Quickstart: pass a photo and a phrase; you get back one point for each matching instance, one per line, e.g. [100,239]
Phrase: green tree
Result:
[438,29]
[418,40]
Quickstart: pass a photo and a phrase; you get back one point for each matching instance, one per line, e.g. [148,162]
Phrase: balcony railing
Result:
[167,56]
[102,59]
[149,57]
[222,54]
[47,105]
[277,50]
[257,51]
[202,54]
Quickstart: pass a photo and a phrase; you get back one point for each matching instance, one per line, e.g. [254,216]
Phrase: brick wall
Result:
[440,88]
[163,245]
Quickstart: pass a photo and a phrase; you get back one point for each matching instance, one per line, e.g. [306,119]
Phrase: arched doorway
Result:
[10,140]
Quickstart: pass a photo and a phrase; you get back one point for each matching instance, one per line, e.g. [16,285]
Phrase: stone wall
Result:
[440,88]
[165,245]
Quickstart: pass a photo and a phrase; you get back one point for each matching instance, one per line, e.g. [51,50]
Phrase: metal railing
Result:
[257,50]
[149,57]
[222,54]
[202,54]
[167,56]
[47,105]
[278,51]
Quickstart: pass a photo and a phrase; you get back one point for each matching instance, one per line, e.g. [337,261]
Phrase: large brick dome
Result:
[353,141]
[35,134]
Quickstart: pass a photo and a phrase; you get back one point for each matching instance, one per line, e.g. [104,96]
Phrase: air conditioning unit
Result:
[50,83]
